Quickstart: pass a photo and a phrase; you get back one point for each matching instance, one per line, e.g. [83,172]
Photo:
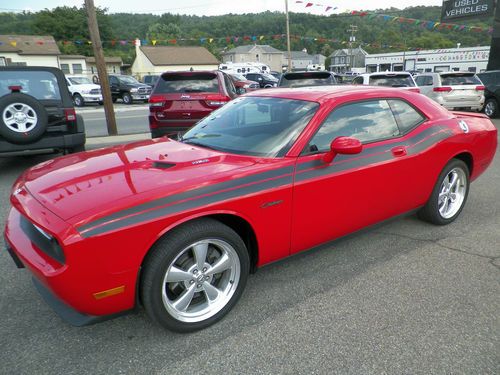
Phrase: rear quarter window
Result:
[178,83]
[406,116]
[41,85]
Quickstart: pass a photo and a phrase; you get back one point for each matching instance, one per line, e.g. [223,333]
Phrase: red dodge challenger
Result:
[177,226]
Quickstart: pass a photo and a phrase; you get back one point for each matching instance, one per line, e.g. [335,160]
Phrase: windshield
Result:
[269,77]
[127,79]
[459,79]
[258,126]
[80,80]
[399,80]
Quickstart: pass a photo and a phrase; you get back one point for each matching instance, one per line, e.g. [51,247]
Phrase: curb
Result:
[116,139]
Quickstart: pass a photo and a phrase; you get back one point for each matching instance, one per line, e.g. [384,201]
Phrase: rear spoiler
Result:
[469,114]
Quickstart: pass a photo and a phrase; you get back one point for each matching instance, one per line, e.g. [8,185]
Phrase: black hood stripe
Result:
[189,194]
[189,204]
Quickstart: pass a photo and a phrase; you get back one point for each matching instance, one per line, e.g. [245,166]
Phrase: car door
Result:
[354,191]
[114,85]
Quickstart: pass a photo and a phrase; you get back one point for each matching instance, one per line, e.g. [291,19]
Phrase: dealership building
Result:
[472,59]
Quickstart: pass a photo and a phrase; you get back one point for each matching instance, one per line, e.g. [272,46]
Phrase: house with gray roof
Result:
[341,59]
[261,53]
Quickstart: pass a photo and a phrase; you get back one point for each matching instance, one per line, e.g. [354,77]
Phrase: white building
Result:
[29,50]
[261,53]
[472,59]
[159,59]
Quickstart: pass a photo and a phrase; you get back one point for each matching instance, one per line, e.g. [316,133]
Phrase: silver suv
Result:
[453,90]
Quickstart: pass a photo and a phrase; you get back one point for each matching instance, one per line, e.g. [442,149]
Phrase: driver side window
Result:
[367,121]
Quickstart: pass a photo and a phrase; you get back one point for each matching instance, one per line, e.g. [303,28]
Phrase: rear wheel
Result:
[449,195]
[491,108]
[194,275]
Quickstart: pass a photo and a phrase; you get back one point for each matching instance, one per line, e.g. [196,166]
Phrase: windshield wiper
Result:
[189,141]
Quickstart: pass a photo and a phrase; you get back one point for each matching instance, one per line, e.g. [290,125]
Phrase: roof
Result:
[29,44]
[68,57]
[248,48]
[345,52]
[107,59]
[324,93]
[169,55]
[300,55]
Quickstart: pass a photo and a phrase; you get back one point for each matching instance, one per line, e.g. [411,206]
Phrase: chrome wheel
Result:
[201,280]
[490,108]
[452,193]
[19,117]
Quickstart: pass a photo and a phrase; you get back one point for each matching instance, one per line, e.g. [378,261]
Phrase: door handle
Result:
[399,151]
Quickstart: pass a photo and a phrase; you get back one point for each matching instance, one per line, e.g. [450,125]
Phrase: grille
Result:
[95,91]
[144,90]
[254,85]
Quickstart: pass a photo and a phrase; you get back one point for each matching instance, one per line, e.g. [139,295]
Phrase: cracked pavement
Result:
[405,297]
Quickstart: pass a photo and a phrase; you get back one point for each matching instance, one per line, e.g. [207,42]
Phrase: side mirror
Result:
[240,91]
[343,145]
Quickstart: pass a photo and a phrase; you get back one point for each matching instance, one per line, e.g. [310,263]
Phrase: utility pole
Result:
[289,68]
[353,29]
[101,67]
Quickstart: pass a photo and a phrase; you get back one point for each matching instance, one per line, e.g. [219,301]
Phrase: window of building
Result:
[2,61]
[77,69]
[472,69]
[65,68]
[441,68]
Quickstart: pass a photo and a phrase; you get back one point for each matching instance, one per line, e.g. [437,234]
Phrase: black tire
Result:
[36,129]
[491,108]
[165,253]
[101,103]
[127,98]
[78,100]
[95,79]
[430,212]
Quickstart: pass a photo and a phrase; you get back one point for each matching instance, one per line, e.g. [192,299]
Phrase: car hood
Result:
[85,86]
[138,86]
[85,186]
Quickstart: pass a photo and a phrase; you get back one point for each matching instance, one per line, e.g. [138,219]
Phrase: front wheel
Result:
[194,275]
[449,195]
[127,98]
[78,100]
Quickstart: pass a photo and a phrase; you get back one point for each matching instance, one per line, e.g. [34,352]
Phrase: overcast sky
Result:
[215,7]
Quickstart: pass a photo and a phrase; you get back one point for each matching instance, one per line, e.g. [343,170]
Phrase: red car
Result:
[180,99]
[178,225]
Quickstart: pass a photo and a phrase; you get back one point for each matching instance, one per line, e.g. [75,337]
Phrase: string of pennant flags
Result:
[430,25]
[173,42]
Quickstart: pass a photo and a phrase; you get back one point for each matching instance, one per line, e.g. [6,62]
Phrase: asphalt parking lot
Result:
[406,297]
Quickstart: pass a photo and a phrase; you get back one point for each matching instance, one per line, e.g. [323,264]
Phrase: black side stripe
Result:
[377,149]
[189,194]
[187,205]
[356,161]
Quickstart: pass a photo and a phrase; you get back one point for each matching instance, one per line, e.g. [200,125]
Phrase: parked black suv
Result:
[128,89]
[263,79]
[491,81]
[37,112]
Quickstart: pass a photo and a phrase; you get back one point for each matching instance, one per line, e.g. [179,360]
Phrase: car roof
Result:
[324,93]
[385,74]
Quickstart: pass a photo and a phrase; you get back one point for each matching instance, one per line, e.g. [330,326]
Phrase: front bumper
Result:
[64,141]
[70,288]
[136,96]
[92,98]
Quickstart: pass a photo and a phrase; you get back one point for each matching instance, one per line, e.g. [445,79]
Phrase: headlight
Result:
[134,89]
[246,86]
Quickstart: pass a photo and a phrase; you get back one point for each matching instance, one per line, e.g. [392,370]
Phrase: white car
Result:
[453,90]
[402,80]
[83,90]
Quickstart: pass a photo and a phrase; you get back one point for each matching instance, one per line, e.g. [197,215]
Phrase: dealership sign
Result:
[453,9]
